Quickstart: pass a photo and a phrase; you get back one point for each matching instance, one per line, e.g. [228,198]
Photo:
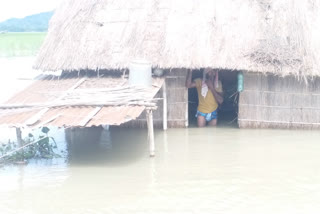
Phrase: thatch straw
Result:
[277,36]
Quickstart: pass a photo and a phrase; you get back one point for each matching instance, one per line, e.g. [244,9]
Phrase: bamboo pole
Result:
[78,104]
[150,133]
[19,141]
[148,122]
[165,106]
[187,111]
[19,137]
[21,148]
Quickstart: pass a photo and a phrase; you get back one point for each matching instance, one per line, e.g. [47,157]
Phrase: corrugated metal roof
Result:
[37,111]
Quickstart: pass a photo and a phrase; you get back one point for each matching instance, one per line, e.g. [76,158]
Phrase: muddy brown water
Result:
[208,170]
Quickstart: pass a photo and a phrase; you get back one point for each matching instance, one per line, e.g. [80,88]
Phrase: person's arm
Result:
[217,95]
[189,82]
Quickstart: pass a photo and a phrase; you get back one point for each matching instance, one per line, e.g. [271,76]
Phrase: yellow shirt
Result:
[207,104]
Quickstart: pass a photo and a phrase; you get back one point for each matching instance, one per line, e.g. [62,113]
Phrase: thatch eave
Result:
[279,37]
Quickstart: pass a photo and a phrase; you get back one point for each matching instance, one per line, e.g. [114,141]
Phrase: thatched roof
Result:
[277,36]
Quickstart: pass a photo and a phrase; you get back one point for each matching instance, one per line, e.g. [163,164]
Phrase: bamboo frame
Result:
[279,102]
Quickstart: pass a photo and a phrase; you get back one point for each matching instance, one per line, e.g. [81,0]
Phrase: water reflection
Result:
[105,139]
[100,145]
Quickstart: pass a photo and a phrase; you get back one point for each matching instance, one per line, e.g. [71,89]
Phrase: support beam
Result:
[165,106]
[187,111]
[19,137]
[19,140]
[150,133]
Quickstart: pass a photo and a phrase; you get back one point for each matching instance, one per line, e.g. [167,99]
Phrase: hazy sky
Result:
[22,8]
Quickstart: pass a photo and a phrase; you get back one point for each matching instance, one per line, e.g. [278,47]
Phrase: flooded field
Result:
[20,44]
[222,170]
[17,73]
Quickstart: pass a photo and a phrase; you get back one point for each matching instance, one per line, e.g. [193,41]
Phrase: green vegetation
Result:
[44,147]
[20,44]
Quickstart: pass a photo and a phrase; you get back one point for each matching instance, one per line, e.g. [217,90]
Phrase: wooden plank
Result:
[165,106]
[49,120]
[87,119]
[35,118]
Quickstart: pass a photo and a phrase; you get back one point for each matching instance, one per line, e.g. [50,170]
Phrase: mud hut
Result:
[273,43]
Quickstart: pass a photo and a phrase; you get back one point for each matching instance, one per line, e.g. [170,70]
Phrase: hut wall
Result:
[279,102]
[177,99]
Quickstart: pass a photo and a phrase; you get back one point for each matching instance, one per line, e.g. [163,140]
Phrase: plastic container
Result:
[240,82]
[140,73]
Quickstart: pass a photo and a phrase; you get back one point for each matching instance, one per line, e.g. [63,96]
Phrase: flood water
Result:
[17,73]
[207,170]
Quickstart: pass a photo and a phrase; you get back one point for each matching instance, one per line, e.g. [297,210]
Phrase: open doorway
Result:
[228,110]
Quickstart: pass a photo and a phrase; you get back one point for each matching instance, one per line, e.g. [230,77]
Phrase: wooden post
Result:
[150,133]
[19,138]
[187,110]
[165,106]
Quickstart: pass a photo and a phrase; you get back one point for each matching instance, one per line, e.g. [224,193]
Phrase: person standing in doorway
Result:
[210,96]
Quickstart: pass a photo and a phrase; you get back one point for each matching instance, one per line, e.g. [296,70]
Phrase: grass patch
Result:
[20,44]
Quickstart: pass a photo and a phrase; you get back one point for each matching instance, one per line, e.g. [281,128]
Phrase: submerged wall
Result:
[279,102]
[177,98]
